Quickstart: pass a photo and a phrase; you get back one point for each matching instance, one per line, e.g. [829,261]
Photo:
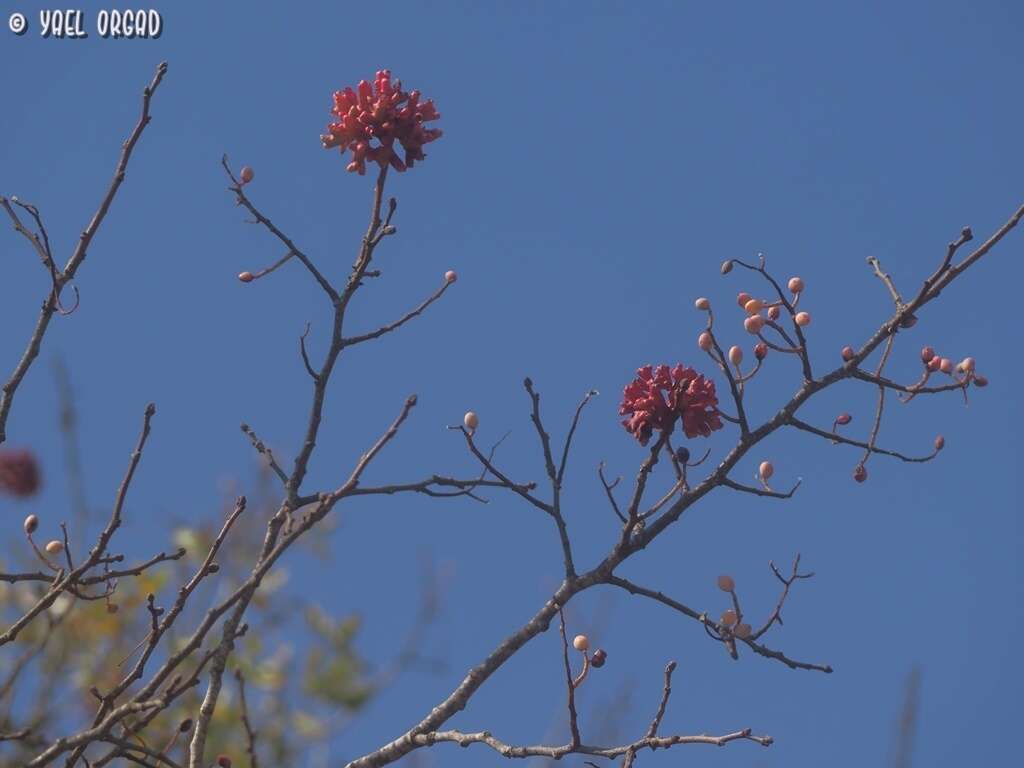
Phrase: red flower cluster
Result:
[657,397]
[384,112]
[19,473]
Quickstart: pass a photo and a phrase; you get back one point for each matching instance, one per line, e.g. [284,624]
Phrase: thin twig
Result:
[67,274]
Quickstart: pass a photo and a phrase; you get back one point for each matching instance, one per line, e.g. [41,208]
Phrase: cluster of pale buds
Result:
[964,371]
[731,622]
[54,547]
[759,314]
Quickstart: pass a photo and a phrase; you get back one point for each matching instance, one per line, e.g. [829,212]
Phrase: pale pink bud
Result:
[946,365]
[934,363]
[728,618]
[54,547]
[967,364]
[726,583]
[702,304]
[940,443]
[927,353]
[727,266]
[471,420]
[753,306]
[742,299]
[795,285]
[735,355]
[30,524]
[704,341]
[451,276]
[246,277]
[848,353]
[773,313]
[802,318]
[766,470]
[844,418]
[754,324]
[580,643]
[247,174]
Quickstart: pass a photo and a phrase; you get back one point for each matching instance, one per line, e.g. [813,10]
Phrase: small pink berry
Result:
[773,313]
[742,631]
[704,341]
[728,618]
[766,470]
[702,304]
[848,353]
[927,353]
[795,285]
[802,318]
[451,276]
[54,547]
[940,443]
[860,474]
[742,299]
[753,306]
[247,174]
[980,381]
[735,355]
[844,418]
[471,420]
[246,277]
[934,363]
[31,524]
[760,350]
[946,365]
[726,583]
[580,642]
[754,324]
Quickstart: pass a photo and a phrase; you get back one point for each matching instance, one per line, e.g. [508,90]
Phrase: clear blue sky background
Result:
[599,162]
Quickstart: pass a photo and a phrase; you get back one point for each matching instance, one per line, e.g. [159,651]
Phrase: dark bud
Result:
[213,568]
[223,761]
[908,322]
[727,266]
[186,726]
[682,454]
[112,608]
[760,350]
[598,659]
[966,234]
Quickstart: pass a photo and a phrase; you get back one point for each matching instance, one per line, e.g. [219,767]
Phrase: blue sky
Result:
[599,162]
